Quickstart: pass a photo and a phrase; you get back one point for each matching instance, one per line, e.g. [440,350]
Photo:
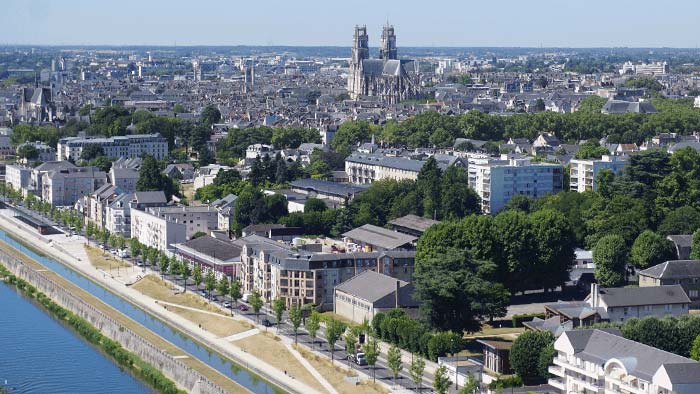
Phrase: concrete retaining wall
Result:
[174,369]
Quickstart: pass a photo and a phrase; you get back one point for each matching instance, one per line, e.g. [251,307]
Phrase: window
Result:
[693,293]
[668,307]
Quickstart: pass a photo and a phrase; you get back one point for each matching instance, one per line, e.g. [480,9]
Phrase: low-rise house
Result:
[325,190]
[412,224]
[617,107]
[682,243]
[369,238]
[597,361]
[183,171]
[495,355]
[368,293]
[222,257]
[685,273]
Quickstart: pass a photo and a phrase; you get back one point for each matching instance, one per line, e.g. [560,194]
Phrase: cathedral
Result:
[388,78]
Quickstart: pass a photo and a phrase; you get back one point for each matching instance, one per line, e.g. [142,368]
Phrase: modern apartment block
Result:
[161,227]
[135,145]
[66,186]
[367,168]
[496,181]
[584,172]
[602,361]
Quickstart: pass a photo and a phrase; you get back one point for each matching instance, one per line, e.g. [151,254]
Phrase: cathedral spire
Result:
[388,48]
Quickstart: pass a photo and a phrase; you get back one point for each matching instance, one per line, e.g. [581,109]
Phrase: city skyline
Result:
[220,23]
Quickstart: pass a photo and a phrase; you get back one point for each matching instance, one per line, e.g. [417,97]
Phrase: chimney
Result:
[594,295]
[396,293]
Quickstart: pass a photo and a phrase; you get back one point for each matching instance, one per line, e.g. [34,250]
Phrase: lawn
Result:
[270,349]
[154,287]
[104,261]
[335,375]
[219,325]
[487,330]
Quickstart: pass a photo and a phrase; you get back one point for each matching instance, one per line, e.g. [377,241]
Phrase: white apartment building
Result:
[655,68]
[205,175]
[367,168]
[18,177]
[602,361]
[130,146]
[584,172]
[66,186]
[161,227]
[497,181]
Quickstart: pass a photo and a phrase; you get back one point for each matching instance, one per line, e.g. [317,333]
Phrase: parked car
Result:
[243,308]
[358,358]
[203,293]
[139,263]
[245,297]
[267,323]
[227,304]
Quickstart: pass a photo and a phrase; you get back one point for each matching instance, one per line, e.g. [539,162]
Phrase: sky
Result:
[465,23]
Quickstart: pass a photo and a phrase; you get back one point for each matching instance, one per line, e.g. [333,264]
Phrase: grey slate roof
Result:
[213,247]
[414,222]
[599,346]
[326,187]
[636,296]
[372,287]
[385,161]
[150,197]
[674,269]
[379,236]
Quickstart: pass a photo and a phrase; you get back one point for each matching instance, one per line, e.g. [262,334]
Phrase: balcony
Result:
[558,383]
[556,370]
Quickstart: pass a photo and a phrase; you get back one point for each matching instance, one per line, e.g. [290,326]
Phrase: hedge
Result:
[519,319]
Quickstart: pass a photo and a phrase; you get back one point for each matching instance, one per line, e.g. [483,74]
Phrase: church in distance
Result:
[389,78]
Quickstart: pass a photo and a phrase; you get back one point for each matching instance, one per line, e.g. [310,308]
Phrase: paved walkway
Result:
[70,251]
[241,335]
[311,369]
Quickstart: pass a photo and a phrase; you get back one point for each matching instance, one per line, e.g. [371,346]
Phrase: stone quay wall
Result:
[179,372]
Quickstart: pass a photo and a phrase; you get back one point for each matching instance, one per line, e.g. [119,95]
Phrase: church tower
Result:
[360,52]
[388,49]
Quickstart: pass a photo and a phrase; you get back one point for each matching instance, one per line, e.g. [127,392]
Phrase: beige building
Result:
[368,293]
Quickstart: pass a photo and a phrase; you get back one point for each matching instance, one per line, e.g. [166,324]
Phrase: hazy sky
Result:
[581,23]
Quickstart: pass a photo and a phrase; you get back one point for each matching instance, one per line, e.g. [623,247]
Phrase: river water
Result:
[40,355]
[234,371]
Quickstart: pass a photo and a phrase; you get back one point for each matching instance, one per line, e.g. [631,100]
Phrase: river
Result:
[39,354]
[234,371]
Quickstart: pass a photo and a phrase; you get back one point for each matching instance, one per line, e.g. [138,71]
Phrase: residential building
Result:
[685,273]
[204,176]
[95,204]
[368,293]
[367,168]
[618,107]
[370,238]
[65,187]
[497,181]
[18,177]
[495,355]
[128,146]
[584,172]
[224,208]
[124,178]
[602,361]
[163,226]
[118,215]
[682,243]
[46,153]
[325,190]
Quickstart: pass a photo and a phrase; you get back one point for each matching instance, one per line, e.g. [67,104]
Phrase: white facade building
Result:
[65,187]
[602,361]
[367,168]
[136,145]
[161,227]
[18,177]
[584,172]
[497,181]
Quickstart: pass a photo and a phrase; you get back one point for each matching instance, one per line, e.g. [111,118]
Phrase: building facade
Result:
[584,172]
[129,146]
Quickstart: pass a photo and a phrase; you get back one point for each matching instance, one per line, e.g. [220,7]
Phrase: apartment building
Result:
[222,257]
[602,361]
[685,273]
[161,227]
[584,172]
[367,168]
[496,181]
[302,277]
[65,187]
[128,146]
[18,177]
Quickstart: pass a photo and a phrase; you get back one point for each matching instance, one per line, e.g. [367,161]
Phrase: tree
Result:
[151,178]
[525,354]
[428,186]
[185,273]
[610,256]
[441,382]
[278,307]
[312,324]
[209,283]
[684,220]
[256,302]
[334,329]
[554,247]
[457,198]
[393,358]
[350,343]
[471,386]
[235,291]
[91,151]
[371,349]
[650,249]
[197,275]
[591,149]
[163,264]
[210,115]
[222,286]
[314,205]
[295,319]
[695,349]
[28,151]
[416,370]
[539,105]
[695,245]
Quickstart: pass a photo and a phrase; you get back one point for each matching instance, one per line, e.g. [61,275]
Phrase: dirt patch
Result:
[219,325]
[271,350]
[335,375]
[158,289]
[104,261]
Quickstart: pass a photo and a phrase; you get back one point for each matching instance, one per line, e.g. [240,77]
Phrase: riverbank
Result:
[70,252]
[124,358]
[219,382]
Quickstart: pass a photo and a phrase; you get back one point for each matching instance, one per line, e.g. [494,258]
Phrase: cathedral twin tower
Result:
[388,77]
